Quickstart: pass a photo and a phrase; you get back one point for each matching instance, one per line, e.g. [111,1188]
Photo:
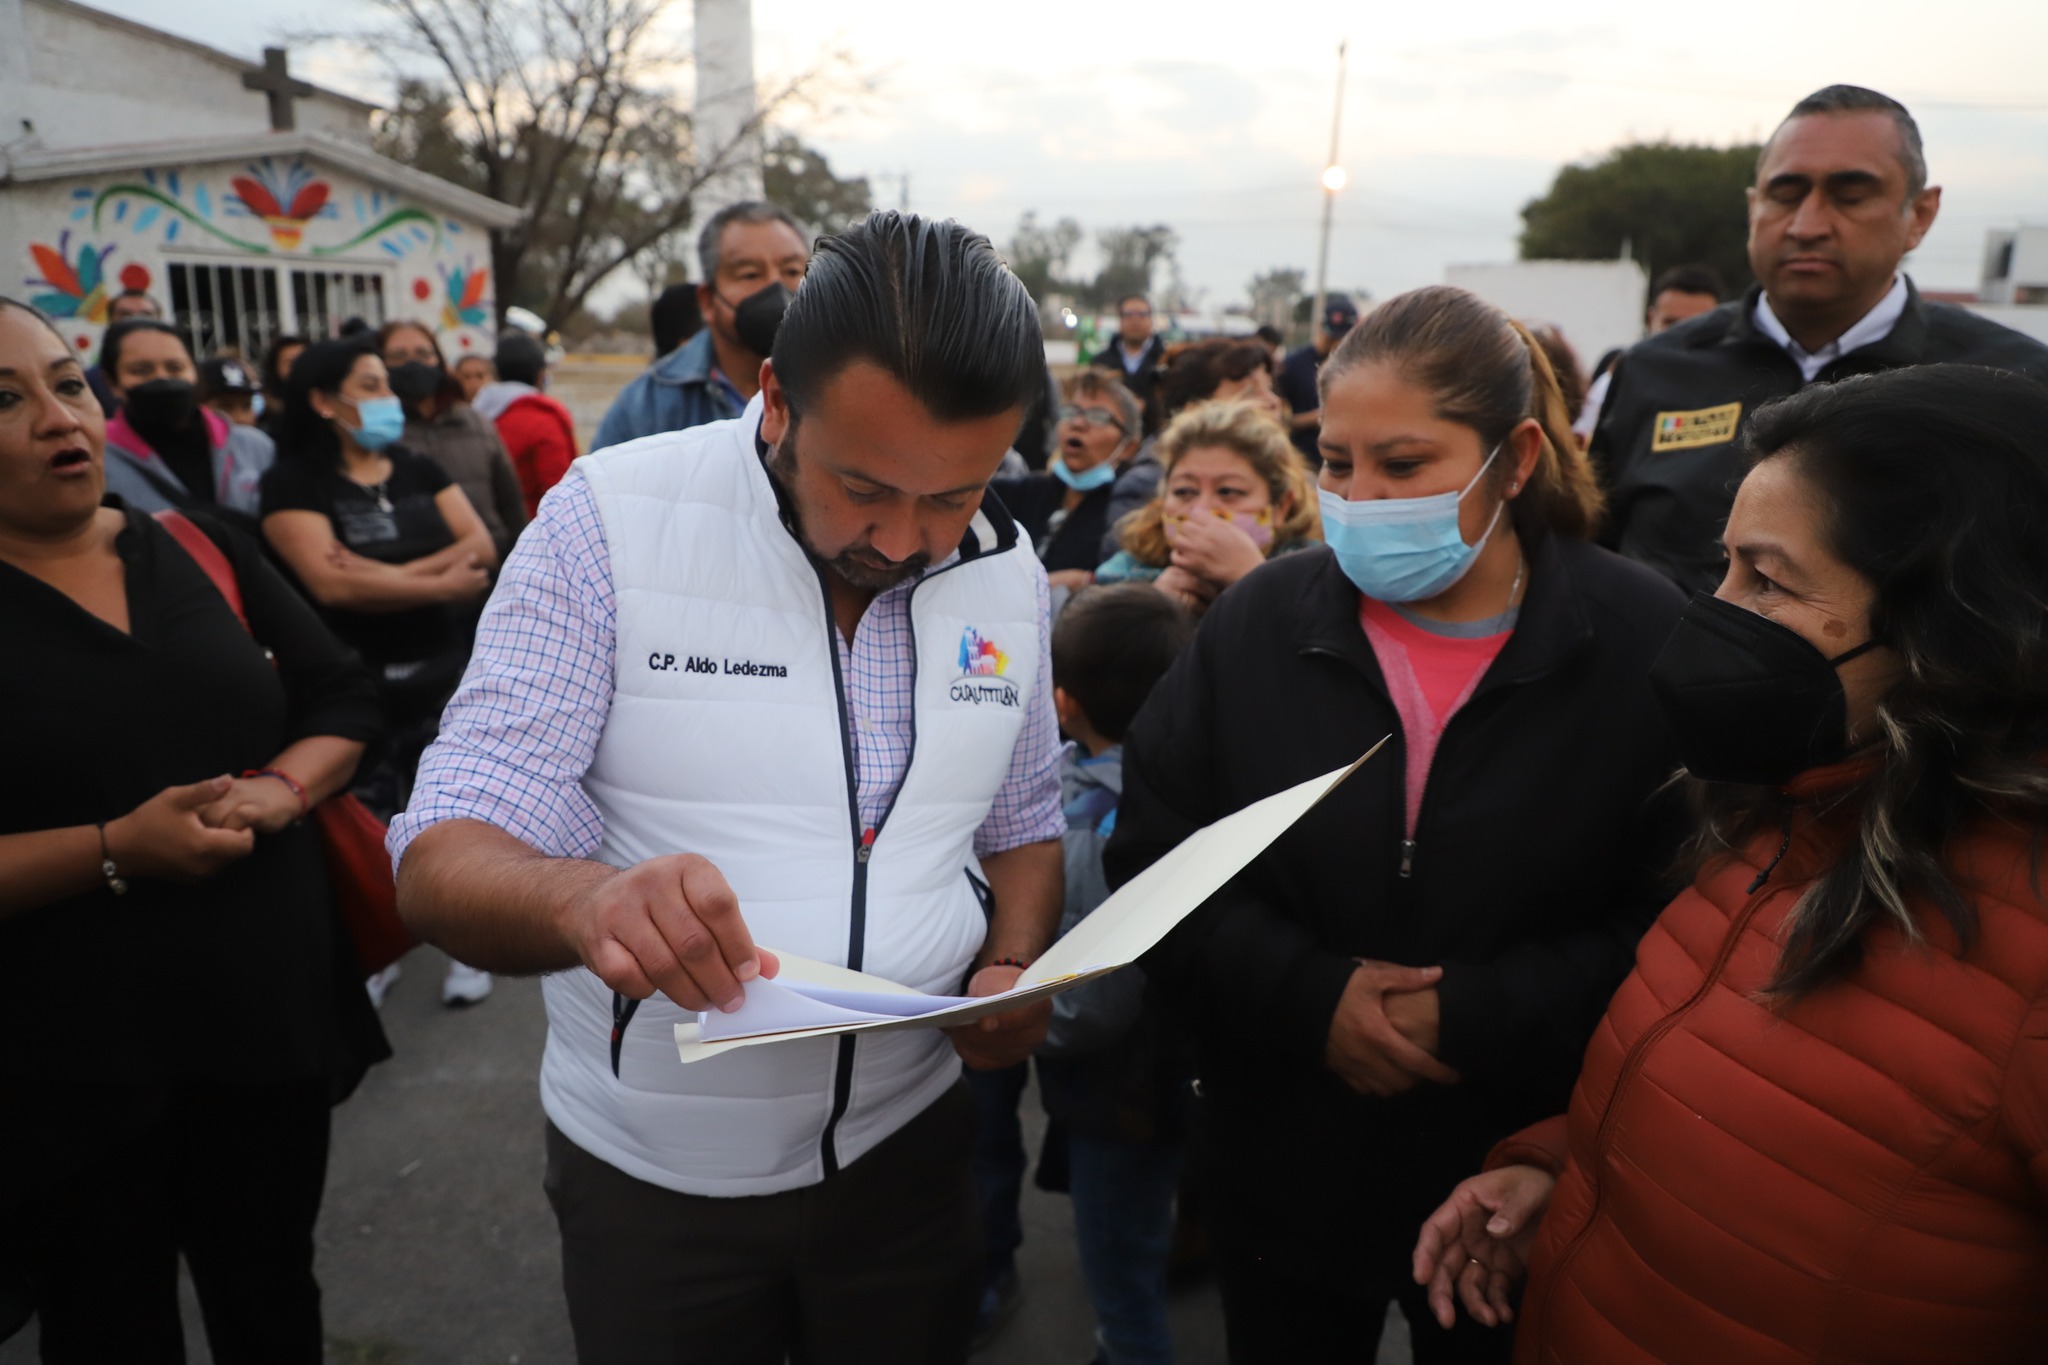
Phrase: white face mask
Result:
[1404,549]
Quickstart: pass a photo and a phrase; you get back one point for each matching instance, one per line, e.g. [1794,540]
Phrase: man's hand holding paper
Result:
[672,925]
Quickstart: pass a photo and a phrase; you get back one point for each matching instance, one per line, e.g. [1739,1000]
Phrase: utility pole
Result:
[1334,179]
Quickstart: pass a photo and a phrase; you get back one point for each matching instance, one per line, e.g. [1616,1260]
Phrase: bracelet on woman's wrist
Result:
[116,883]
[288,780]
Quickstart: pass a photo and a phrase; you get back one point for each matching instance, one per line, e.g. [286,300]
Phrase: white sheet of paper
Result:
[811,999]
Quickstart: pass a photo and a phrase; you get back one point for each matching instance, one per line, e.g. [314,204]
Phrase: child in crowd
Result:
[1105,1072]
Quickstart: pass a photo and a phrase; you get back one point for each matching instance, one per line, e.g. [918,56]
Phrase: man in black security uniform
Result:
[1841,196]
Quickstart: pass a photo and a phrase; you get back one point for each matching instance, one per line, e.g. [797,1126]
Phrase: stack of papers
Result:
[811,999]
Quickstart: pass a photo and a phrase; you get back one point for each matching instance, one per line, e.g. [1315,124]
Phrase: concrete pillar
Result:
[724,109]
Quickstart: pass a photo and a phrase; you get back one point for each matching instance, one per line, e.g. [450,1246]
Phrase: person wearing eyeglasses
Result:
[1065,510]
[1136,356]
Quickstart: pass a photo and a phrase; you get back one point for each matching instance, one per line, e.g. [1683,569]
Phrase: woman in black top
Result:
[179,1005]
[381,539]
[1411,973]
[1065,509]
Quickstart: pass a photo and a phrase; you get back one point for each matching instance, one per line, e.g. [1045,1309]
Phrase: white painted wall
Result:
[89,80]
[1596,304]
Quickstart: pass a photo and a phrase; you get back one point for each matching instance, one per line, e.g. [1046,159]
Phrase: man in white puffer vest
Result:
[779,682]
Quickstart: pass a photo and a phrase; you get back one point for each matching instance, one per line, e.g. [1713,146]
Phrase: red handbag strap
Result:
[207,556]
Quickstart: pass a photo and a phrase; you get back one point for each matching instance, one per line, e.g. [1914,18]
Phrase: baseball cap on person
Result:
[1340,314]
[225,374]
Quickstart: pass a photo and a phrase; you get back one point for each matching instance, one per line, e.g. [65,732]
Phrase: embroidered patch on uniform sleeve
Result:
[1706,427]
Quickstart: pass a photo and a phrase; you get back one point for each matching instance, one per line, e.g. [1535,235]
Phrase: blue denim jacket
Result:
[675,392]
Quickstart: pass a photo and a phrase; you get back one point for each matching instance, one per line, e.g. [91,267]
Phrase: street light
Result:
[1334,179]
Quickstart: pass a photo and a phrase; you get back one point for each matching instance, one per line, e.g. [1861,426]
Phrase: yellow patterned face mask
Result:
[1258,525]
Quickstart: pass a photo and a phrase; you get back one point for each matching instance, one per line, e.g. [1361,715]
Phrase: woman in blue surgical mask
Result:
[1422,959]
[1065,510]
[382,540]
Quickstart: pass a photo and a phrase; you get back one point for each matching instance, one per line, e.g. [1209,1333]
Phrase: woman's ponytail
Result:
[1566,490]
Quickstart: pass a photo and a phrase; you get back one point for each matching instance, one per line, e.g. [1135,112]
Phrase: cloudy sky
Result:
[1214,117]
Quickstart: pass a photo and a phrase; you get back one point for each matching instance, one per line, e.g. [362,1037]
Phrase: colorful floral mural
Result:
[465,296]
[77,285]
[275,224]
[286,198]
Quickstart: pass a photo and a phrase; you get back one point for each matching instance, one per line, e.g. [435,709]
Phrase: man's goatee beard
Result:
[865,576]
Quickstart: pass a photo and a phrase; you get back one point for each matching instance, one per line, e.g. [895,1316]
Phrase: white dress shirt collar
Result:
[1872,327]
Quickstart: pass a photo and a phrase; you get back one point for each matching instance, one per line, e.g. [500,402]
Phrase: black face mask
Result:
[415,380]
[1748,700]
[161,408]
[757,317]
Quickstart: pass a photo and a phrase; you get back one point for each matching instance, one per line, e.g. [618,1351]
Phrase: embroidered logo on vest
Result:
[982,666]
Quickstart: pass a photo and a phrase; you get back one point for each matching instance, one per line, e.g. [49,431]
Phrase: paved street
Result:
[436,1246]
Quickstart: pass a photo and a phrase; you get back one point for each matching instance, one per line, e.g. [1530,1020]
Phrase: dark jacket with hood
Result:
[1542,851]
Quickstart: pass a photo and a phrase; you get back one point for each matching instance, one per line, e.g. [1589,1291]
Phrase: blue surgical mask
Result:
[383,421]
[1403,549]
[1089,479]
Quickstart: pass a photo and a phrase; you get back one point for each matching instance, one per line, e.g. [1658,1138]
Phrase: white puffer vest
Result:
[728,737]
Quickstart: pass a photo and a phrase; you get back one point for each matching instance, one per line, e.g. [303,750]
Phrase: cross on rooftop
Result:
[274,81]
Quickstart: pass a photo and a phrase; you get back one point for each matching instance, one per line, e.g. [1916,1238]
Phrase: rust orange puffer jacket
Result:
[1859,1178]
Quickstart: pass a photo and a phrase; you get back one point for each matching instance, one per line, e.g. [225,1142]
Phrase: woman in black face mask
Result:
[163,448]
[1814,1124]
[441,426]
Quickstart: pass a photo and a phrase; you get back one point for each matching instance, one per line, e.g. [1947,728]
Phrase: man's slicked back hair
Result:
[928,302]
[1855,99]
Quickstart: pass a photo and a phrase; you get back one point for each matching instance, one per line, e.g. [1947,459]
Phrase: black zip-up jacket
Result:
[1668,442]
[1543,850]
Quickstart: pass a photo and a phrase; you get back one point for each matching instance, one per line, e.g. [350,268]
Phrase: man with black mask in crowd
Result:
[1841,196]
[753,256]
[164,448]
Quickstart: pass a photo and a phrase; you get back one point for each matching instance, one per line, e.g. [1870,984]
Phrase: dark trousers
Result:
[231,1177]
[1272,1318]
[880,1262]
[999,1161]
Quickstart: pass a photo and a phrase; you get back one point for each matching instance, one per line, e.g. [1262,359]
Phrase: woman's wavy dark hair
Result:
[1934,482]
[303,435]
[1194,370]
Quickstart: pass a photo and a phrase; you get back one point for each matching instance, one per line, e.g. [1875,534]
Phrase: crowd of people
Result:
[1673,985]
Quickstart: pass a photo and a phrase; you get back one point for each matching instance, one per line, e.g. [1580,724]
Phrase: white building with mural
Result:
[249,203]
